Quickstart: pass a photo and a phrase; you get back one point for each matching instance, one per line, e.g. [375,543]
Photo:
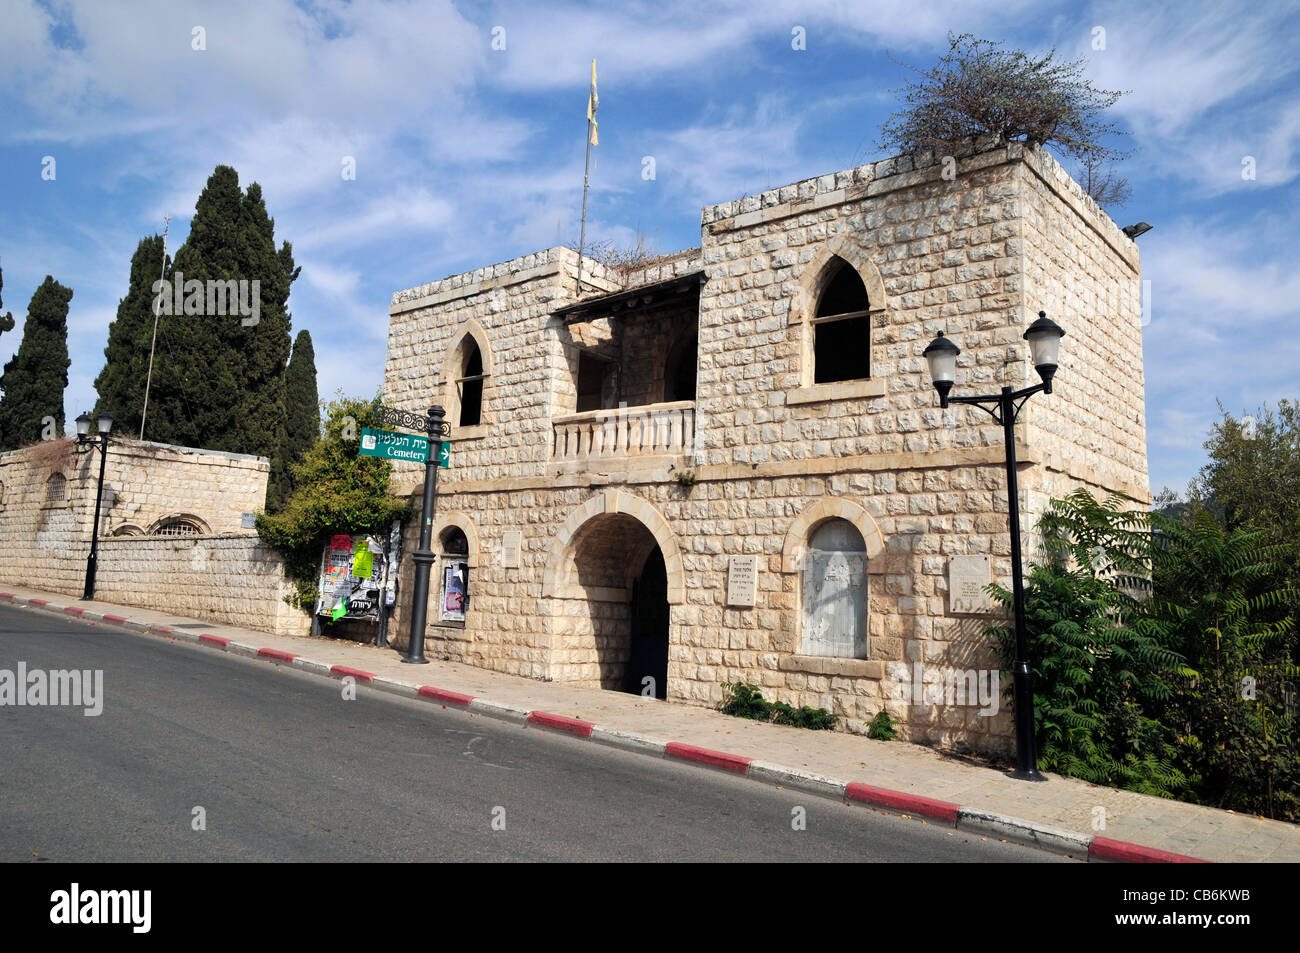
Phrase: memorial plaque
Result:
[967,577]
[510,546]
[742,580]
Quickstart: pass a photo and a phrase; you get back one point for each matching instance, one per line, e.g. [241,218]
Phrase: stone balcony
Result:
[647,433]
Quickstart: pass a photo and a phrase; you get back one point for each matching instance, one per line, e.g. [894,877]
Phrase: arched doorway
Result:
[647,666]
[612,577]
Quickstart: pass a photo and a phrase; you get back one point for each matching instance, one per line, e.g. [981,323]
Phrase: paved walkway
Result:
[1057,811]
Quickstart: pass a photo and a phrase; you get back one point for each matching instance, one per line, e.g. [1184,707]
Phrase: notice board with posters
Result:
[358,576]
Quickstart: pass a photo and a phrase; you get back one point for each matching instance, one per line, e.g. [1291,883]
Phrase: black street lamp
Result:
[436,429]
[86,443]
[1044,337]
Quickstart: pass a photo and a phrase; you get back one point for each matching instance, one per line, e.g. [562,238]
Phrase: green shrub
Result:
[746,701]
[337,491]
[1142,633]
[882,727]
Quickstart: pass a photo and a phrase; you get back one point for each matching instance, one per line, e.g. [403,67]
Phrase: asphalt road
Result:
[285,769]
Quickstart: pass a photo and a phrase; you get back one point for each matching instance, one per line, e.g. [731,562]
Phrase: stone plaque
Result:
[967,577]
[510,545]
[247,520]
[742,580]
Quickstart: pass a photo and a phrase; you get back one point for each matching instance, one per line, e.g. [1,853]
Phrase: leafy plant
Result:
[1222,595]
[337,491]
[1161,650]
[882,727]
[1102,668]
[686,478]
[746,701]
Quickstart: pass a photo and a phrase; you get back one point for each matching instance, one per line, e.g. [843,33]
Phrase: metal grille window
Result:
[56,488]
[177,528]
[835,592]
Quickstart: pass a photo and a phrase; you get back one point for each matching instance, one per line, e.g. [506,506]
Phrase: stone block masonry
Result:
[776,454]
[217,570]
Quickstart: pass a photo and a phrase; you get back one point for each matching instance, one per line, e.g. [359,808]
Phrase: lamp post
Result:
[86,443]
[1044,337]
[436,429]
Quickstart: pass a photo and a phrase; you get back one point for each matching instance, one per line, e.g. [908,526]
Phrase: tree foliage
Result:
[120,385]
[218,382]
[1161,650]
[35,378]
[1252,478]
[1221,595]
[302,414]
[1102,667]
[978,89]
[337,491]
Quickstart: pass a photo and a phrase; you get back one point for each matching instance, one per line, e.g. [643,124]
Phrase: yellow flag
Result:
[593,103]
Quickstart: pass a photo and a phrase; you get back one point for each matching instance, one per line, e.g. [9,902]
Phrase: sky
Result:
[465,124]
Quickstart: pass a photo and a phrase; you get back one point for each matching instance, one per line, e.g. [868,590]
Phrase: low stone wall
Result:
[232,578]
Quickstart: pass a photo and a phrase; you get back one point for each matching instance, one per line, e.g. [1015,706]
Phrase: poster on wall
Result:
[452,603]
[357,577]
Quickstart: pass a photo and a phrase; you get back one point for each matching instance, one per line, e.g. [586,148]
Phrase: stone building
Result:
[175,531]
[729,464]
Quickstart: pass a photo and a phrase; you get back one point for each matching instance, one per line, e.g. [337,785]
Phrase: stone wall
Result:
[227,578]
[776,453]
[223,575]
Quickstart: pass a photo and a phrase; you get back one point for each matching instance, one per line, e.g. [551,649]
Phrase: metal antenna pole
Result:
[162,276]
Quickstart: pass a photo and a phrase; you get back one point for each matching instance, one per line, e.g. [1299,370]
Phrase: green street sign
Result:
[392,445]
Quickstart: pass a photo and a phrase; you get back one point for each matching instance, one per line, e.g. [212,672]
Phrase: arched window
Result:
[453,563]
[841,327]
[679,369]
[128,529]
[470,385]
[835,591]
[177,526]
[56,488]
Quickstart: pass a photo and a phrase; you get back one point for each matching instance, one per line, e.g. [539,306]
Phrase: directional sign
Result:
[392,445]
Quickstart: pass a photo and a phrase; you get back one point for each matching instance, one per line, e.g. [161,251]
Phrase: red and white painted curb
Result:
[1031,833]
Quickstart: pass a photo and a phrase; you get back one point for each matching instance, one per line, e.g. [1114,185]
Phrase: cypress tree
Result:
[197,371]
[302,405]
[219,382]
[120,385]
[35,378]
[261,411]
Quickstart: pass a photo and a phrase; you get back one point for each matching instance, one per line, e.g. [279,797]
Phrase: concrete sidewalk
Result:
[1058,815]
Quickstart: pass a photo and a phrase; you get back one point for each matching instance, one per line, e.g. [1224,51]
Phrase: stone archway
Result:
[613,577]
[796,537]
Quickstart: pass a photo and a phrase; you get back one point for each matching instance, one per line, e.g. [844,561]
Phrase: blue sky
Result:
[467,155]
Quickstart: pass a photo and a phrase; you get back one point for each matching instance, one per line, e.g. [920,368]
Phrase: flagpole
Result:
[167,221]
[593,103]
[582,233]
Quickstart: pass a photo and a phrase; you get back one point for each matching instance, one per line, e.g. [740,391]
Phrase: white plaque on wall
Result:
[742,580]
[510,545]
[967,577]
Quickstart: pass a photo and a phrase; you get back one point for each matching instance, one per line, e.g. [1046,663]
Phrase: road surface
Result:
[278,766]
